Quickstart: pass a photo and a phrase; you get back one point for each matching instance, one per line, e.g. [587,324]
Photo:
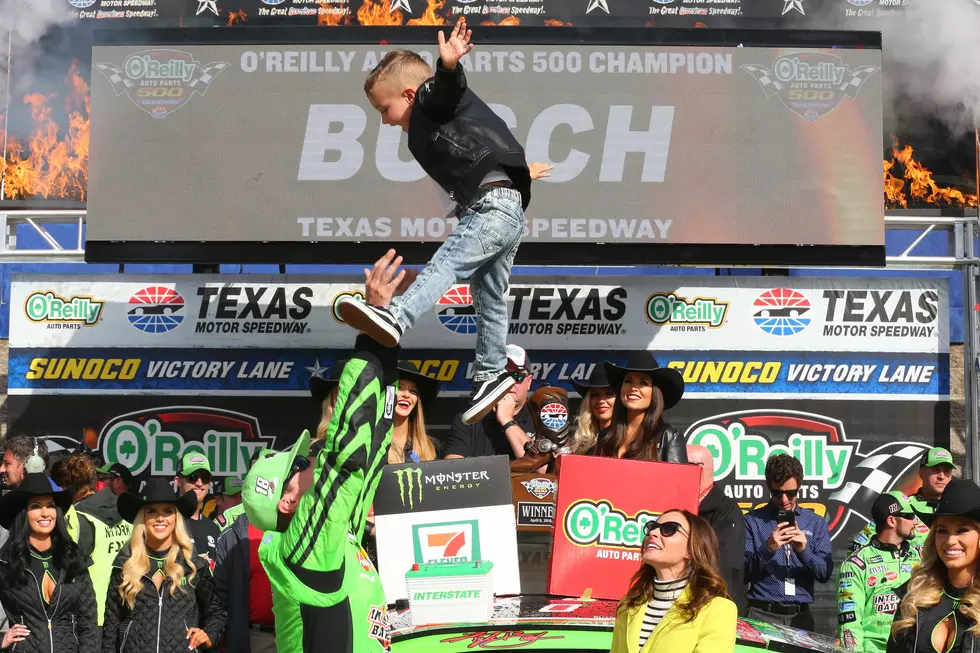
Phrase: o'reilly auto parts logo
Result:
[161,80]
[683,314]
[838,479]
[75,312]
[598,523]
[335,303]
[811,84]
[881,313]
[455,541]
[154,440]
[273,310]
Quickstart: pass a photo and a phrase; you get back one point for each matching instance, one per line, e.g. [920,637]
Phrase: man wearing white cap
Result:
[504,430]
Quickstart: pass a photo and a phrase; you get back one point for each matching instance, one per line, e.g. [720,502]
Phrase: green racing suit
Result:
[921,530]
[866,599]
[327,595]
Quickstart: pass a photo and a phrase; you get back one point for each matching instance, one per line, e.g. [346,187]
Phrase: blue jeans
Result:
[481,249]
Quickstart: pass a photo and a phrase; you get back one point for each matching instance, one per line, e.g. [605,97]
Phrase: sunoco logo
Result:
[683,314]
[60,313]
[811,84]
[589,523]
[254,309]
[158,438]
[161,80]
[838,479]
[409,486]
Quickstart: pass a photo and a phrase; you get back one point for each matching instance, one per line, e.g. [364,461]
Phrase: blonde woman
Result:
[409,441]
[940,608]
[596,412]
[324,393]
[161,596]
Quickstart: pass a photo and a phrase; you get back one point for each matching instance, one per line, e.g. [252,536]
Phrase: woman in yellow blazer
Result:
[677,601]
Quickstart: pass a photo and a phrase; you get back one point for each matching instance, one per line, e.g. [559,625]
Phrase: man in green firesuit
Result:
[866,599]
[327,595]
[935,470]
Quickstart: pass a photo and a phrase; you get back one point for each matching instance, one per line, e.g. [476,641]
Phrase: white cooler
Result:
[450,593]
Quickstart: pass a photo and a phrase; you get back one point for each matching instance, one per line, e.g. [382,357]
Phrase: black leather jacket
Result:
[72,615]
[458,139]
[671,449]
[919,638]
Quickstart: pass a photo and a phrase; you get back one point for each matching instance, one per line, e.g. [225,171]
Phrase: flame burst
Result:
[922,188]
[510,21]
[237,17]
[379,13]
[430,16]
[330,15]
[554,22]
[45,167]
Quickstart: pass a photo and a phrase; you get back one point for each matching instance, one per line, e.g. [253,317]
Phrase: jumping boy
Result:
[476,164]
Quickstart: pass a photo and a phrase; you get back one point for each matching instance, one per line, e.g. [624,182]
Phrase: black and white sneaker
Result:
[486,395]
[374,321]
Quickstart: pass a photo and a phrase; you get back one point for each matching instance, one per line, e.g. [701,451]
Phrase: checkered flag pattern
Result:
[765,77]
[855,78]
[876,474]
[204,74]
[120,82]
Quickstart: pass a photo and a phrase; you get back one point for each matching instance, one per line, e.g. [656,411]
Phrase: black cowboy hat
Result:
[321,387]
[428,387]
[598,379]
[33,485]
[670,381]
[156,490]
[961,498]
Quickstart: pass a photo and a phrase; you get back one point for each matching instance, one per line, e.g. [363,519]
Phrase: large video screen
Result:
[739,149]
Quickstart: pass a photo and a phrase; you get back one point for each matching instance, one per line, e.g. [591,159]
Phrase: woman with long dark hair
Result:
[44,582]
[940,608]
[677,600]
[409,441]
[638,430]
[161,596]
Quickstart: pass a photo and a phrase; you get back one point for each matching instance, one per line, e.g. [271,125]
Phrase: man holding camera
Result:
[787,548]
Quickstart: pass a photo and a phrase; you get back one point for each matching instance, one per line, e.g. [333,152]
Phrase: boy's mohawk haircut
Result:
[400,65]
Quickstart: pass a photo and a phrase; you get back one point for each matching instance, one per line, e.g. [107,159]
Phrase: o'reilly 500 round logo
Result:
[597,523]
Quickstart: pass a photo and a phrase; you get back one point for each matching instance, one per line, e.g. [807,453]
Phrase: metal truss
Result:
[40,221]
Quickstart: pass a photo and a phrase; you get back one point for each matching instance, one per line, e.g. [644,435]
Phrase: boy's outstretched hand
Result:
[457,46]
[384,280]
[539,170]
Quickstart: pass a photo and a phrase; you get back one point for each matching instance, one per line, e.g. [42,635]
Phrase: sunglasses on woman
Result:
[299,464]
[667,528]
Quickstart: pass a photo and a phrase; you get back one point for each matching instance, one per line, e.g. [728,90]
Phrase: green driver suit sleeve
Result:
[850,602]
[327,594]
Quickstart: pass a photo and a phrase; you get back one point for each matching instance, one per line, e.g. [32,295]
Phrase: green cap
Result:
[903,501]
[938,456]
[264,483]
[232,486]
[193,461]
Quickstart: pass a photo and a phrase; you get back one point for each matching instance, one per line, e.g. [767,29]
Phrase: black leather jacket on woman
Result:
[919,638]
[670,450]
[159,622]
[71,614]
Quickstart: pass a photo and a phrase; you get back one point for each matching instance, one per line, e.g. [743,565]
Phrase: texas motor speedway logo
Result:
[811,84]
[838,478]
[160,81]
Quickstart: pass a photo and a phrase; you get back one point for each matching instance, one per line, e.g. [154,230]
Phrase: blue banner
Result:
[288,371]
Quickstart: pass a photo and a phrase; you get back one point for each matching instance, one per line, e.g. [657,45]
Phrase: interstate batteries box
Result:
[441,593]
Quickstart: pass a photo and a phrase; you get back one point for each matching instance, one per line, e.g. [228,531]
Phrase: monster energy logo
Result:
[407,480]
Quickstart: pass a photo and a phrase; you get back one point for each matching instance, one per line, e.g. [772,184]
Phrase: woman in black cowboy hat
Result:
[596,411]
[409,440]
[638,430]
[324,393]
[45,586]
[161,596]
[940,608]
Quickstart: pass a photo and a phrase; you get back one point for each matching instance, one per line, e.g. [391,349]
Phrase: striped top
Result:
[665,592]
